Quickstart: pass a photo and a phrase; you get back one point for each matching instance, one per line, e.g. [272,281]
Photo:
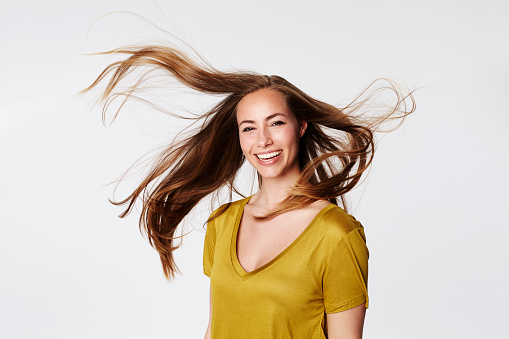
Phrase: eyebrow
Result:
[266,119]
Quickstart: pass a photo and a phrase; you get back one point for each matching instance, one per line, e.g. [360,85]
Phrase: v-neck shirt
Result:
[324,270]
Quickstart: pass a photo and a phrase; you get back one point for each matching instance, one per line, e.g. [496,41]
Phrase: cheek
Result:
[291,138]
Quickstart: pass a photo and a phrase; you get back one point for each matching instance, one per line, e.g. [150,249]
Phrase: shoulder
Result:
[228,209]
[337,223]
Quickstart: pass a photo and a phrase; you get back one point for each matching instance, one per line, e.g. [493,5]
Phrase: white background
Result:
[434,207]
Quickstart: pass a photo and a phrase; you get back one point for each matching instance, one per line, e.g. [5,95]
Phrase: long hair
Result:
[336,149]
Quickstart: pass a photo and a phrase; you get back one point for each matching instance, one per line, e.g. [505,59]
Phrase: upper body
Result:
[279,277]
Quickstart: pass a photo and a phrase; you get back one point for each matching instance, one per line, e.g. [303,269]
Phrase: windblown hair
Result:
[336,149]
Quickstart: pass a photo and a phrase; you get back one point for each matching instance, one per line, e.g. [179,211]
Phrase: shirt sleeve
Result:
[208,248]
[345,276]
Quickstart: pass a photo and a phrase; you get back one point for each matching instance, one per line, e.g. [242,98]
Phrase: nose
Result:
[264,138]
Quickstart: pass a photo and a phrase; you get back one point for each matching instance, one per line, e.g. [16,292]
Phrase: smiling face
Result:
[269,133]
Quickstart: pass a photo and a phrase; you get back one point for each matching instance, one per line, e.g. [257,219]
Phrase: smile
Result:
[268,156]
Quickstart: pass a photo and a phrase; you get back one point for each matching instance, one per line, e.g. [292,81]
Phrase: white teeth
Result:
[268,155]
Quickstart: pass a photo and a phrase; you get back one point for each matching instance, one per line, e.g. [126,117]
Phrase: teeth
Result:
[268,155]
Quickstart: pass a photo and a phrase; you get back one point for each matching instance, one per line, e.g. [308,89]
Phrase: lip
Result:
[270,161]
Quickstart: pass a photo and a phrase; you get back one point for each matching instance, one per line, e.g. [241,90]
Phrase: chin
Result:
[270,174]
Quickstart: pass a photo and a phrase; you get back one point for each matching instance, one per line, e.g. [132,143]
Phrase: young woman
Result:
[288,261]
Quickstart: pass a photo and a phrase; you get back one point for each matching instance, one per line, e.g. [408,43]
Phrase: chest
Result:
[258,243]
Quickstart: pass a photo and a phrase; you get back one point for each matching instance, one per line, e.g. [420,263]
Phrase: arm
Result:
[207,333]
[346,324]
[345,287]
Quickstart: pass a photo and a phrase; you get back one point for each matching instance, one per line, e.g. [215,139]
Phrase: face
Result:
[269,133]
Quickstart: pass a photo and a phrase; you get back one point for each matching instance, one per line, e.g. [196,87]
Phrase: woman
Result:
[286,262]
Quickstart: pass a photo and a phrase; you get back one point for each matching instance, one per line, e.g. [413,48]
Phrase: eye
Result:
[247,129]
[277,123]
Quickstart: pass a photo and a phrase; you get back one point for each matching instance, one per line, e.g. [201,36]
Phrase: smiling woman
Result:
[287,261]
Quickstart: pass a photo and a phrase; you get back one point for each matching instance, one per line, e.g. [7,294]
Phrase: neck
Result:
[274,190]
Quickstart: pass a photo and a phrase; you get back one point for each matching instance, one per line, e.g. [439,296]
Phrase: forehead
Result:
[262,103]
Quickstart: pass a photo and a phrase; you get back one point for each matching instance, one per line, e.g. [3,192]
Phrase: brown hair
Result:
[336,149]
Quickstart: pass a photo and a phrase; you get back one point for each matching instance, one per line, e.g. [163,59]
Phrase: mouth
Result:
[269,156]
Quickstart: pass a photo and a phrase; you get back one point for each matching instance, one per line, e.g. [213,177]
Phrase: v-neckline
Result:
[233,246]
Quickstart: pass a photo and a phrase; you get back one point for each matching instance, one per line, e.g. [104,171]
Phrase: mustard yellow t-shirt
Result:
[325,270]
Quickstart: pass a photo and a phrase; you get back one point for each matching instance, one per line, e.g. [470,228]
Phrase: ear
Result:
[303,126]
